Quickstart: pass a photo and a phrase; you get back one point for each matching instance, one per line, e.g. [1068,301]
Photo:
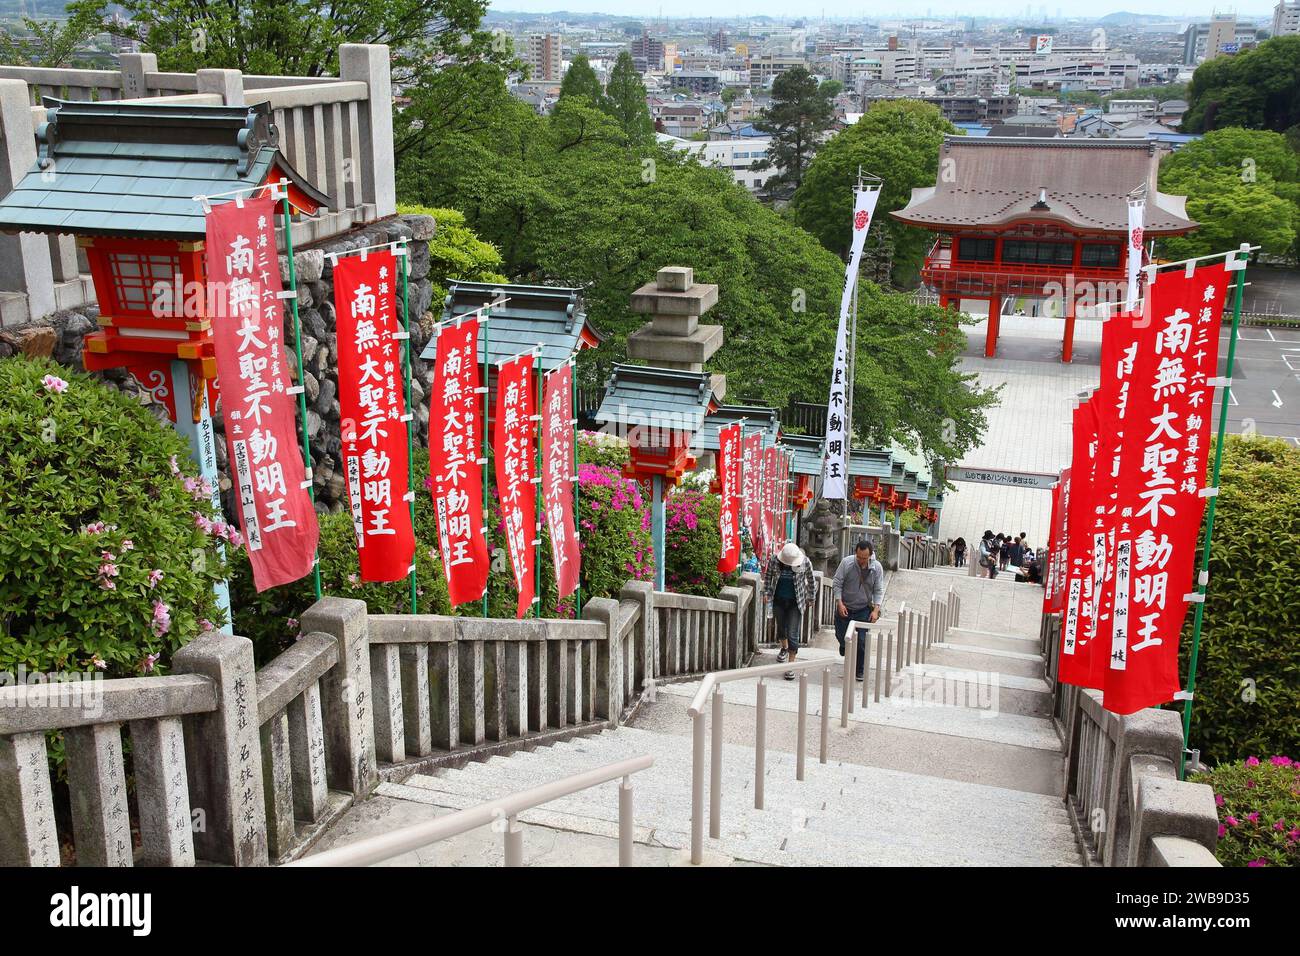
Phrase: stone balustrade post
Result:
[647,632]
[369,63]
[346,698]
[229,84]
[609,658]
[223,754]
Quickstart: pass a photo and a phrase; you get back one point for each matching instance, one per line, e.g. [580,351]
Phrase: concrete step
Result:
[1026,696]
[841,813]
[985,659]
[986,640]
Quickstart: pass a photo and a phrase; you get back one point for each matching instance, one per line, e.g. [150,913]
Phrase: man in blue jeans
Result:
[859,589]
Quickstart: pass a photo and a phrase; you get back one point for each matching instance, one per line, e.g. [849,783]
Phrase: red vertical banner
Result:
[512,447]
[729,506]
[1053,530]
[372,411]
[275,509]
[1076,626]
[770,483]
[753,487]
[455,446]
[557,478]
[1160,505]
[1060,541]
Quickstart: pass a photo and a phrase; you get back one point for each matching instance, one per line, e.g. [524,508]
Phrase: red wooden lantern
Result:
[863,486]
[801,491]
[882,494]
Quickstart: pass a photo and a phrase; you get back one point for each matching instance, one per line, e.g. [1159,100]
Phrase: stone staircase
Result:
[959,764]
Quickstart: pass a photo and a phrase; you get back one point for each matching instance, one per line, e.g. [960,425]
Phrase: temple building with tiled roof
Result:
[1016,217]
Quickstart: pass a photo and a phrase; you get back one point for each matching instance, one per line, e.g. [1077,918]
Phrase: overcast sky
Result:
[1180,9]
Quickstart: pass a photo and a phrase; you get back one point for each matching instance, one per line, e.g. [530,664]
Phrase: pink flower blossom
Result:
[1218,799]
[1294,835]
[155,576]
[128,544]
[1252,761]
[1281,761]
[53,383]
[1259,862]
[148,663]
[1279,826]
[206,625]
[291,624]
[162,618]
[1231,821]
[1253,817]
[99,662]
[1222,830]
[171,463]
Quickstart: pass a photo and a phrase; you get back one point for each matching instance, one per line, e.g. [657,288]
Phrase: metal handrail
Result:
[504,809]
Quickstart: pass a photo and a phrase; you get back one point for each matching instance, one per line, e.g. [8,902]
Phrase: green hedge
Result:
[1248,675]
[108,550]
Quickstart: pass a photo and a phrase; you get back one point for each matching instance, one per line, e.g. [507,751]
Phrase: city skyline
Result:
[848,10]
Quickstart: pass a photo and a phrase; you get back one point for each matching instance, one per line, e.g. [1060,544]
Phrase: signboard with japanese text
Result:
[752,480]
[455,444]
[1076,626]
[372,412]
[729,510]
[557,476]
[1159,508]
[266,464]
[513,449]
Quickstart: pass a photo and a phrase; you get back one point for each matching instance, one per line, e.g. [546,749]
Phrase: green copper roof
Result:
[756,418]
[661,398]
[532,314]
[132,169]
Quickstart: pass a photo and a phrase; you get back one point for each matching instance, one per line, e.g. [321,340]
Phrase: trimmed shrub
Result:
[108,551]
[614,529]
[692,542]
[1259,811]
[600,448]
[1248,674]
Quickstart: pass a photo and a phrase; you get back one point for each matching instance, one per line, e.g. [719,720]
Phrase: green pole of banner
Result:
[577,520]
[410,411]
[1203,578]
[302,379]
[487,390]
[537,484]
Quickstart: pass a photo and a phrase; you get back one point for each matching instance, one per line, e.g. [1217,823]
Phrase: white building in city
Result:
[1286,18]
[734,155]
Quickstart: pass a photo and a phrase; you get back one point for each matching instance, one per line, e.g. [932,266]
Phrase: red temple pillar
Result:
[1067,346]
[995,317]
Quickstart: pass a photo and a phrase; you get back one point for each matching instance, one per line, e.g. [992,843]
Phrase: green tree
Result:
[1257,89]
[625,100]
[52,43]
[897,140]
[569,201]
[1241,186]
[455,252]
[581,80]
[800,112]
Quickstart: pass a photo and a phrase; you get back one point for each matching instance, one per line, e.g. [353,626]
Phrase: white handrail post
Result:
[846,682]
[625,825]
[880,646]
[760,744]
[801,747]
[866,663]
[715,768]
[514,842]
[826,712]
[697,789]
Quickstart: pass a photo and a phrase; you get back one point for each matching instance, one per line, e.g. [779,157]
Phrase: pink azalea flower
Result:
[1222,830]
[207,625]
[1260,862]
[234,537]
[162,618]
[53,383]
[1294,835]
[148,663]
[155,576]
[128,544]
[1279,826]
[1281,761]
[106,585]
[1252,761]
[291,624]
[1218,799]
[1253,817]
[176,468]
[99,662]
[1231,821]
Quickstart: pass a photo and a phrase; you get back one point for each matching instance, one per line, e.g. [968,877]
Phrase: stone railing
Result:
[887,541]
[1126,802]
[243,766]
[335,131]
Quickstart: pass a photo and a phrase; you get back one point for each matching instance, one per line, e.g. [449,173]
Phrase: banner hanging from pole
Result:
[1076,627]
[557,478]
[835,461]
[455,445]
[753,480]
[372,409]
[271,485]
[513,449]
[729,505]
[1162,474]
[1133,261]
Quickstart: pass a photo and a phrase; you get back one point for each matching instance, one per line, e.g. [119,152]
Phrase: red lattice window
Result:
[135,276]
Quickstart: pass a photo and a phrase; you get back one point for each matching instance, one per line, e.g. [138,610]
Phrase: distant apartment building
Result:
[543,54]
[680,119]
[647,53]
[121,43]
[697,82]
[718,42]
[1286,18]
[737,156]
[764,69]
[1223,34]
[958,109]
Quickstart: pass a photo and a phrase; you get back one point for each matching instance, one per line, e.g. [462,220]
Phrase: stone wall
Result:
[61,336]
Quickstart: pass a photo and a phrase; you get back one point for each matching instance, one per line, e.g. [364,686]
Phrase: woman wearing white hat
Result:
[788,586]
